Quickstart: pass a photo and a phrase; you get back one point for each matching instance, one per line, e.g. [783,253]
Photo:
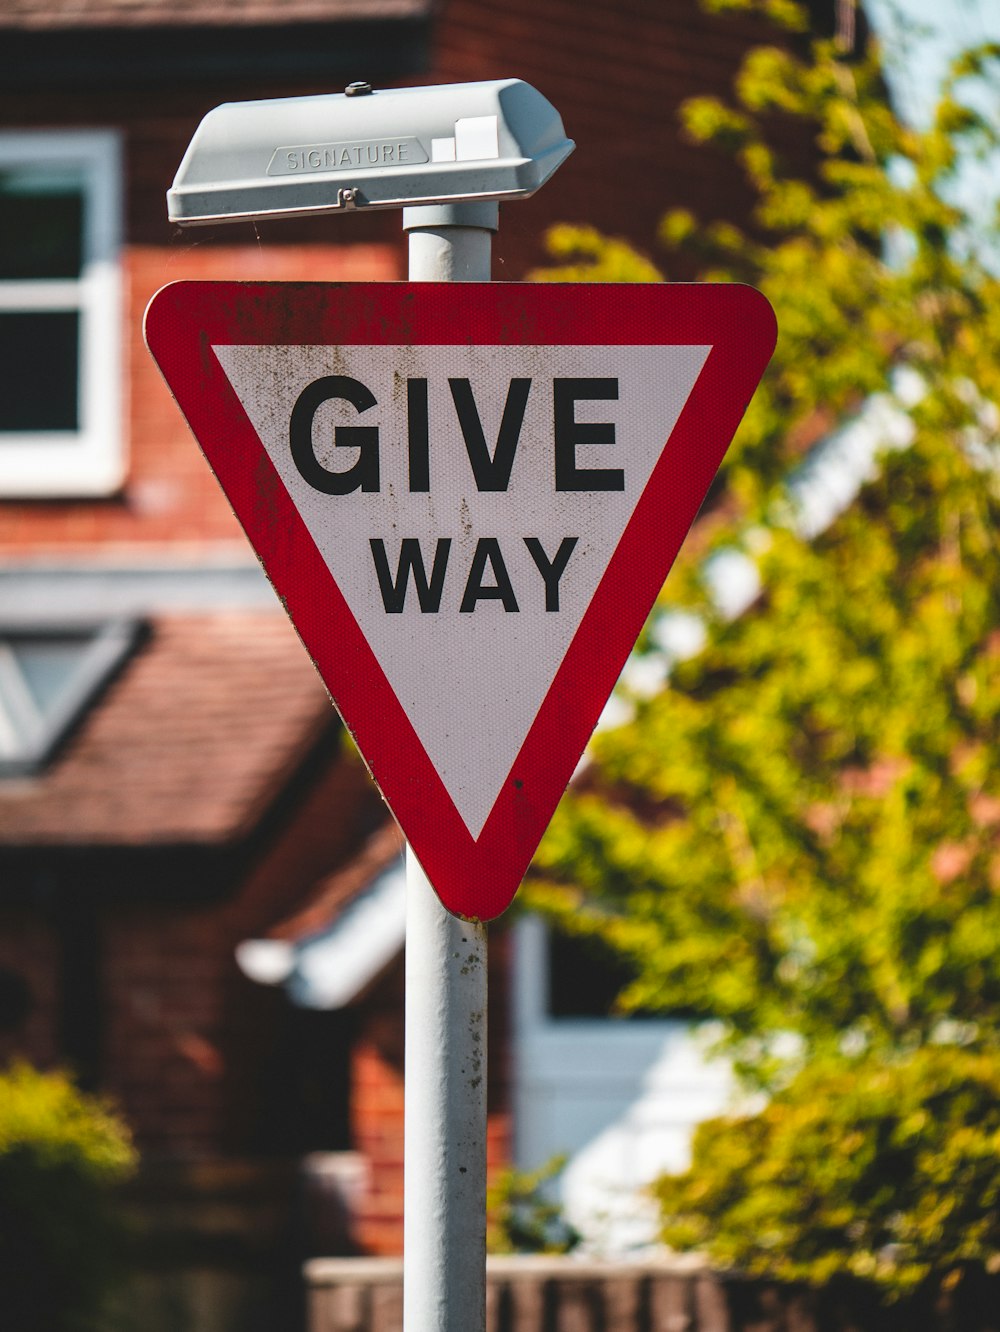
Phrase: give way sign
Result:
[467,496]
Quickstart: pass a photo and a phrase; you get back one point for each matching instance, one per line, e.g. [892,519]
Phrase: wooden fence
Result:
[529,1294]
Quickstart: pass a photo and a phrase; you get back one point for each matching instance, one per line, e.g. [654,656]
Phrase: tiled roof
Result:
[64,14]
[189,745]
[336,891]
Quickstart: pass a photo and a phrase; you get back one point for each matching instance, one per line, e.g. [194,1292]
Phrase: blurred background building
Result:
[200,894]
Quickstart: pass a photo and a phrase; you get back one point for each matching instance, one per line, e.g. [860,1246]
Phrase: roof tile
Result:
[69,14]
[189,744]
[335,892]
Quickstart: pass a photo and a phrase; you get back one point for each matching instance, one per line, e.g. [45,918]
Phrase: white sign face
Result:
[467,502]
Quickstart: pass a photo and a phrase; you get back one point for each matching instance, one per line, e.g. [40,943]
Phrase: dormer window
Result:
[60,314]
[49,675]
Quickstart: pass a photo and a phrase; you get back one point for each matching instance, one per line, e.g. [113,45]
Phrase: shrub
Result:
[884,1170]
[521,1215]
[60,1154]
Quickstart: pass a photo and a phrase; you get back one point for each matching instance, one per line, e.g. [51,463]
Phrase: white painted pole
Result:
[451,242]
[444,1226]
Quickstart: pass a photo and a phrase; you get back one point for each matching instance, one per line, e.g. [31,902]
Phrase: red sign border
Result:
[476,878]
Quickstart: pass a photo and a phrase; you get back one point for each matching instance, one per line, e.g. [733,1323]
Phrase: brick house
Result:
[173,782]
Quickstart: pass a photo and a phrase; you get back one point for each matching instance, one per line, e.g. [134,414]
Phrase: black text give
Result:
[491,461]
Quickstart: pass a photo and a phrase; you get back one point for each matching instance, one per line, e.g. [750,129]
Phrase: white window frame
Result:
[89,461]
[619,1099]
[30,733]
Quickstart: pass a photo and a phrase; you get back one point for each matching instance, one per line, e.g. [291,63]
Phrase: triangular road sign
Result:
[467,497]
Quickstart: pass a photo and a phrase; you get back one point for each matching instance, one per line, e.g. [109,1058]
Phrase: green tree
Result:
[797,837]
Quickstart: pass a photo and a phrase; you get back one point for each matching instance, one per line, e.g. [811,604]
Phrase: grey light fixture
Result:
[364,148]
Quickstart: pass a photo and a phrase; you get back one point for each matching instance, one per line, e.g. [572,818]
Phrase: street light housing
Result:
[365,148]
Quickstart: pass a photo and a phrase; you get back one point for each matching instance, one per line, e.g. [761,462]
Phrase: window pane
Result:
[585,977]
[47,681]
[39,363]
[41,224]
[48,665]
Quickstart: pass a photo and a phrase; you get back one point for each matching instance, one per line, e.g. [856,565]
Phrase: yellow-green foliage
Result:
[521,1215]
[60,1154]
[881,1171]
[45,1114]
[800,836]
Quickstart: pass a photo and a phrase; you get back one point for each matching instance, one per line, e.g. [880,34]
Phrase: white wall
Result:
[619,1097]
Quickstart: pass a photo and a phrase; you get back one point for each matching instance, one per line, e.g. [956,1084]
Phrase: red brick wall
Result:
[617,73]
[377,1115]
[157,124]
[170,497]
[184,1039]
[377,1097]
[29,951]
[187,1035]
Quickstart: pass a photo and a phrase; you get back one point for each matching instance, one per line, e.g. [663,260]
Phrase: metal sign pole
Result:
[444,1228]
